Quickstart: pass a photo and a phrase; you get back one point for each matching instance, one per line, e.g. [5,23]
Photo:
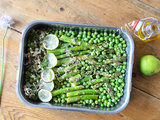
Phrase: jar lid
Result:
[137,25]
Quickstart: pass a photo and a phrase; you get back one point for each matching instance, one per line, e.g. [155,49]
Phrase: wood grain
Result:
[145,97]
[136,110]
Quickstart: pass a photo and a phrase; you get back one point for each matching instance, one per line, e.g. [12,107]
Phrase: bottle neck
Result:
[151,28]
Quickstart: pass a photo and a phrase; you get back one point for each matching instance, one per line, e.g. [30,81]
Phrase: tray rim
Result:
[131,57]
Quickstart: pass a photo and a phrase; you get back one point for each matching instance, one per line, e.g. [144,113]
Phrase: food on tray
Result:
[82,66]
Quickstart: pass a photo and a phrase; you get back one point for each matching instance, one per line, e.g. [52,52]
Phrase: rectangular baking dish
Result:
[128,77]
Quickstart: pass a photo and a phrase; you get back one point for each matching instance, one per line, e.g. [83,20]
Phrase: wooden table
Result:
[145,96]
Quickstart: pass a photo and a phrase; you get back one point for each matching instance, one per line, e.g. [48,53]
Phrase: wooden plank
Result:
[140,107]
[108,13]
[152,3]
[149,6]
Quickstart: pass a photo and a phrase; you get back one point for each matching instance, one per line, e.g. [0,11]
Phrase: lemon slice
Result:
[51,42]
[47,85]
[47,75]
[45,95]
[51,60]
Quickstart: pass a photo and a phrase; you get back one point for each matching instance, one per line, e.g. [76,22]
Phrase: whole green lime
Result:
[149,65]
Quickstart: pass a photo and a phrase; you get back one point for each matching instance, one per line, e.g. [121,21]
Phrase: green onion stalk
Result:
[5,21]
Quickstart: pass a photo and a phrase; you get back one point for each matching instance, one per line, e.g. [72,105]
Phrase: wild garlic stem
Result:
[2,62]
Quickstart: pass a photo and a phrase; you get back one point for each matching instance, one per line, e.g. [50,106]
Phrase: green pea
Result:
[115,89]
[95,41]
[112,80]
[112,83]
[112,104]
[110,72]
[105,33]
[103,53]
[106,45]
[94,36]
[90,101]
[105,104]
[63,100]
[84,103]
[120,80]
[114,56]
[101,34]
[97,76]
[101,39]
[118,69]
[95,32]
[104,91]
[98,36]
[93,53]
[118,36]
[120,88]
[99,100]
[120,44]
[116,86]
[89,33]
[100,96]
[113,100]
[79,36]
[98,52]
[105,38]
[110,39]
[104,97]
[116,82]
[101,69]
[93,104]
[63,96]
[96,102]
[116,41]
[111,54]
[113,35]
[84,83]
[124,63]
[90,41]
[82,68]
[86,39]
[99,60]
[124,45]
[63,86]
[68,84]
[119,95]
[83,63]
[123,84]
[101,89]
[108,96]
[122,71]
[124,55]
[121,39]
[103,60]
[87,101]
[102,105]
[98,41]
[87,86]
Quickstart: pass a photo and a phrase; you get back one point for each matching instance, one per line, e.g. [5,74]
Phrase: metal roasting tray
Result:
[101,110]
